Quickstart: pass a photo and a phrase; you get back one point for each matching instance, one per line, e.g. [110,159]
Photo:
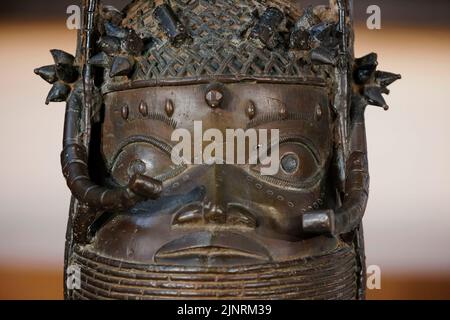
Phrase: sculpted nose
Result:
[220,205]
[216,190]
[214,213]
[208,214]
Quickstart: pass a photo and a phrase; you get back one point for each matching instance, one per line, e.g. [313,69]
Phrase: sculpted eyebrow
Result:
[163,118]
[269,117]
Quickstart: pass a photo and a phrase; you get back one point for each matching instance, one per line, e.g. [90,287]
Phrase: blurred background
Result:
[407,223]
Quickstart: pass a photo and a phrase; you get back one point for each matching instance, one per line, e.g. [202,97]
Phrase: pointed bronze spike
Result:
[385,79]
[133,44]
[266,29]
[121,66]
[109,45]
[369,60]
[58,93]
[62,57]
[385,90]
[115,31]
[48,73]
[100,60]
[67,73]
[374,96]
[170,24]
[321,55]
[112,14]
[365,68]
[299,39]
[307,20]
[300,36]
[322,32]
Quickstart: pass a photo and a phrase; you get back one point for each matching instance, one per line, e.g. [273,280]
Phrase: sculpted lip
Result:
[213,248]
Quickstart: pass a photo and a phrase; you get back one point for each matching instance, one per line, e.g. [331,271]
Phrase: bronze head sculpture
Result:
[143,227]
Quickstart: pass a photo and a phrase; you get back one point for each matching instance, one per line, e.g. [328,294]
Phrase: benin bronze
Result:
[144,227]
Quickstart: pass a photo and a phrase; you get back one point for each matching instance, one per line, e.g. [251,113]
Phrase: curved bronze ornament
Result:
[141,227]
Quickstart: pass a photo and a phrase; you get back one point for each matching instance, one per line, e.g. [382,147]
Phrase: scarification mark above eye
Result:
[143,114]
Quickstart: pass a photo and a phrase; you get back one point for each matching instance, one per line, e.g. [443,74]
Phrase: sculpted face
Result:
[205,208]
[216,149]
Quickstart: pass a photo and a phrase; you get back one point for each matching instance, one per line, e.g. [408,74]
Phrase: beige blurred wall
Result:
[407,222]
[33,197]
[408,217]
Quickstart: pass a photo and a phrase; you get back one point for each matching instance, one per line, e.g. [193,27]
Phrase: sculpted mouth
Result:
[212,248]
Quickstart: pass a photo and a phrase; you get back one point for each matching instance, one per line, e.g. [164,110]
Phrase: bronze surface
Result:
[143,227]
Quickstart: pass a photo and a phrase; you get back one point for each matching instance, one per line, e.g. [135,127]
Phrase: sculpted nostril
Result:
[207,214]
[215,214]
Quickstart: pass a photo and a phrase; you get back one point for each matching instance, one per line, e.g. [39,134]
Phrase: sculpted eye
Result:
[299,165]
[143,158]
[297,162]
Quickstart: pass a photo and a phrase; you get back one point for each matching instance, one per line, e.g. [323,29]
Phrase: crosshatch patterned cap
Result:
[199,41]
